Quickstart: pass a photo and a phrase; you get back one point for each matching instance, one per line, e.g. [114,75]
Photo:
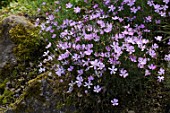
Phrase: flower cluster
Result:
[99,42]
[160,9]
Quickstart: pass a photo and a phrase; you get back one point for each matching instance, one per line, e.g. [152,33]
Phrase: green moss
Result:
[27,41]
[6,97]
[2,86]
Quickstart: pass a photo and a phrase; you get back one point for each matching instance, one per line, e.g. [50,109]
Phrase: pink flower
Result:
[160,78]
[169,39]
[53,36]
[79,80]
[152,53]
[108,28]
[133,10]
[157,21]
[115,102]
[94,63]
[48,46]
[77,9]
[155,46]
[97,89]
[142,62]
[101,23]
[152,66]
[111,8]
[70,68]
[60,71]
[88,36]
[123,73]
[90,78]
[129,2]
[148,19]
[133,58]
[69,5]
[158,38]
[51,17]
[44,3]
[88,52]
[147,72]
[166,1]
[161,71]
[113,69]
[88,84]
[167,57]
[130,49]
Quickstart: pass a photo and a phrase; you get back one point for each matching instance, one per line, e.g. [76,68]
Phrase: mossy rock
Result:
[21,43]
[10,24]
[41,95]
[32,90]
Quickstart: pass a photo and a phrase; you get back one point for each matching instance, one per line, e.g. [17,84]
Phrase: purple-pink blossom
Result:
[160,78]
[113,69]
[167,57]
[161,71]
[123,73]
[152,67]
[97,89]
[69,5]
[115,102]
[77,9]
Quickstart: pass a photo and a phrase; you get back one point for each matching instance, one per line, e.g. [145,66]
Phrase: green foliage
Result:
[4,3]
[26,8]
[165,29]
[137,93]
[31,6]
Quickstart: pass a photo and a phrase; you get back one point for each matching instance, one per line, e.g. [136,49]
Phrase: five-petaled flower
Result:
[69,5]
[77,9]
[113,69]
[115,102]
[160,78]
[161,71]
[123,73]
[97,89]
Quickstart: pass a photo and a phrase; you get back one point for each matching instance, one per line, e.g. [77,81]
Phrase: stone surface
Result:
[6,54]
